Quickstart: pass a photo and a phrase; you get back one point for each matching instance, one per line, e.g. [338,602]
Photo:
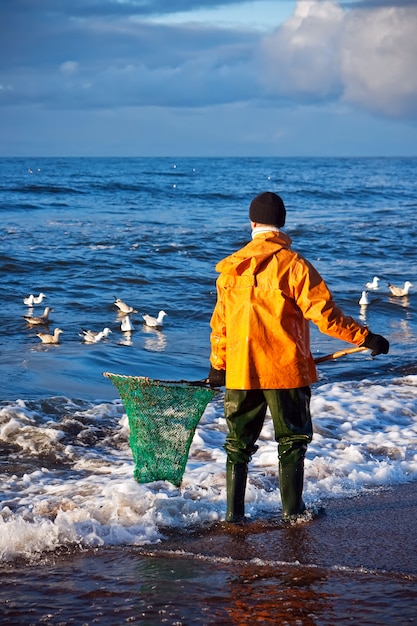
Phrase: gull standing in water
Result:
[42,319]
[364,299]
[126,325]
[155,322]
[123,307]
[90,336]
[373,284]
[400,291]
[31,300]
[45,338]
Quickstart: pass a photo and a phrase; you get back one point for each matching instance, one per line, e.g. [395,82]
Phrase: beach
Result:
[81,541]
[353,564]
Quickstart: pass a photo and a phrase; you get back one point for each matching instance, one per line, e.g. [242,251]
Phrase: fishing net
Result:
[163,416]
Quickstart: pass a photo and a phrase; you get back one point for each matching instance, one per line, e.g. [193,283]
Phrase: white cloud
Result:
[363,57]
[379,60]
[302,57]
[69,67]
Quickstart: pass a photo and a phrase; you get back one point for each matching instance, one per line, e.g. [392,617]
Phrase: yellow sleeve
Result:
[317,305]
[218,333]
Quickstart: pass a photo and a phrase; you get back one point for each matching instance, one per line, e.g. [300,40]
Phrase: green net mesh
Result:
[163,416]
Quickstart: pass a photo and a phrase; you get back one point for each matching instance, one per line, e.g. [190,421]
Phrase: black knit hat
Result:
[267,208]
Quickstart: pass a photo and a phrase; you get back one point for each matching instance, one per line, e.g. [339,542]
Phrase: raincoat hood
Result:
[255,255]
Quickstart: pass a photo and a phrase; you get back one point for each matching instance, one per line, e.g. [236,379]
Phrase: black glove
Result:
[377,343]
[216,378]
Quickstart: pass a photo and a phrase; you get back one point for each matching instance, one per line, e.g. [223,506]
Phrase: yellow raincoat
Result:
[266,296]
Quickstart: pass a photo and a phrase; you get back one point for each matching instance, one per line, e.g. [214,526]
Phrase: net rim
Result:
[169,383]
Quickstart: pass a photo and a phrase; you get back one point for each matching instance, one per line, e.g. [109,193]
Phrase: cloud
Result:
[63,10]
[363,57]
[96,62]
[301,60]
[69,67]
[378,60]
[85,54]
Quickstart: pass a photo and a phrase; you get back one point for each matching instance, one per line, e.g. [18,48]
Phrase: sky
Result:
[208,78]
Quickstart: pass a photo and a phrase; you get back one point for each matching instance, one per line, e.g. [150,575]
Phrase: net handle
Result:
[339,353]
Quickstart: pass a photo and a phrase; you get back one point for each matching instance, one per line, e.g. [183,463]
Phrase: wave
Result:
[68,480]
[44,189]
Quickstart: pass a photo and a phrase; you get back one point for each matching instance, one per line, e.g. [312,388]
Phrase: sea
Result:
[78,534]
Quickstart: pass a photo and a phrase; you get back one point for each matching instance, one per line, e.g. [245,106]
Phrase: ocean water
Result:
[85,231]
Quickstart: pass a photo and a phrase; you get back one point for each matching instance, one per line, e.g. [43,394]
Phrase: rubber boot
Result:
[236,477]
[291,483]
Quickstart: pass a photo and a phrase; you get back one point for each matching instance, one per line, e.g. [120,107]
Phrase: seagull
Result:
[38,299]
[373,284]
[123,307]
[45,338]
[364,299]
[42,319]
[400,291]
[126,325]
[31,300]
[156,322]
[90,336]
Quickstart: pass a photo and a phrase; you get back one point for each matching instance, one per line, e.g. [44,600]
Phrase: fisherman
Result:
[267,295]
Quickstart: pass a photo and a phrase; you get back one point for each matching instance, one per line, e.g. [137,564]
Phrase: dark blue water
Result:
[150,231]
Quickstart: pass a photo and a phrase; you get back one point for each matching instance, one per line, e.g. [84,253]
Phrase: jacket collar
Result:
[259,230]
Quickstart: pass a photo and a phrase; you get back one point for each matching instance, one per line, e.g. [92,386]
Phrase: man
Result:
[260,350]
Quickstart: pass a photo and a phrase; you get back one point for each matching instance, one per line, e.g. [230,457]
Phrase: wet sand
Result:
[376,532]
[357,563]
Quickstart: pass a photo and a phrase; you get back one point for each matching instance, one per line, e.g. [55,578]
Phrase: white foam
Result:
[74,482]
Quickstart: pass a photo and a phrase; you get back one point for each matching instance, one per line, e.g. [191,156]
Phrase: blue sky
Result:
[208,78]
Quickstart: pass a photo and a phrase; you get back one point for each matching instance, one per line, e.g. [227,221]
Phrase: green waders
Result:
[291,479]
[245,412]
[236,476]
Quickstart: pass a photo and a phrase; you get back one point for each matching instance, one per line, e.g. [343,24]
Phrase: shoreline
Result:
[354,564]
[373,531]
